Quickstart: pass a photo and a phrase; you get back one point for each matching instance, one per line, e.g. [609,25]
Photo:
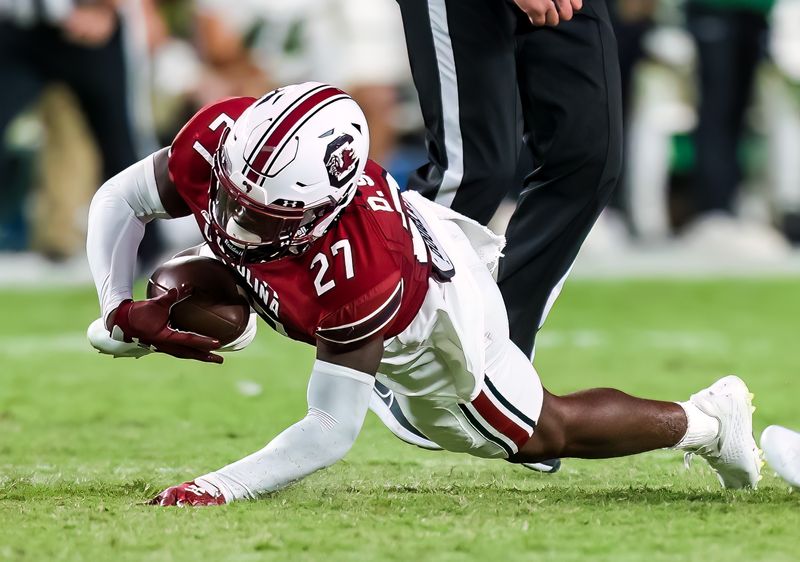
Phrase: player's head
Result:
[286,169]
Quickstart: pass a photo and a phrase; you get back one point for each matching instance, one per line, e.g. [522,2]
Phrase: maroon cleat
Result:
[189,493]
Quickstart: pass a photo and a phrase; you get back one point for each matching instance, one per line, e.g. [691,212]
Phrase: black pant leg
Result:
[21,82]
[751,46]
[570,90]
[462,60]
[98,76]
[729,48]
[717,171]
[20,79]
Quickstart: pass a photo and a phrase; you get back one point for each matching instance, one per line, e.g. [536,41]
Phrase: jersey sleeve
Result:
[191,153]
[367,316]
[368,288]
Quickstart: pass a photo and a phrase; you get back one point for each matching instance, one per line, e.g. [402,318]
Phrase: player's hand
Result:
[549,12]
[90,25]
[188,494]
[147,323]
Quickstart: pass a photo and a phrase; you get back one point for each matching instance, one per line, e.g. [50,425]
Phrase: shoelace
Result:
[708,452]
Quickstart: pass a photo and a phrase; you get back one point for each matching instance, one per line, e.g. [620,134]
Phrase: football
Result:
[217,306]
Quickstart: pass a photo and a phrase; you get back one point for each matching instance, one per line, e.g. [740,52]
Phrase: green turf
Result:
[84,439]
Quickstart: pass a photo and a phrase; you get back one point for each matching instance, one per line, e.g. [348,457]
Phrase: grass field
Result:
[85,439]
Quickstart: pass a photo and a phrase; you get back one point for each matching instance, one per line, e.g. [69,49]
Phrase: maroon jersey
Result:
[363,278]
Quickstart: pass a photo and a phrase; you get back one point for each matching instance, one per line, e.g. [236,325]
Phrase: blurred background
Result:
[711,190]
[711,98]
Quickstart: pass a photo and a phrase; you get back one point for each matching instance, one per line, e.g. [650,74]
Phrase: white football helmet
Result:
[286,169]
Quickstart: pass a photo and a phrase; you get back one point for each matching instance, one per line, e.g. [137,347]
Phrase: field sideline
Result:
[85,439]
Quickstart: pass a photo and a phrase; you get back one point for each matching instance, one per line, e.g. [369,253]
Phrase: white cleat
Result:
[545,467]
[782,449]
[733,455]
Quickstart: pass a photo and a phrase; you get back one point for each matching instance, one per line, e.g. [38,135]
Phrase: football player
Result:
[386,285]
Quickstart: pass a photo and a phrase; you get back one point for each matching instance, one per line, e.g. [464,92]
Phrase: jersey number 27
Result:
[342,247]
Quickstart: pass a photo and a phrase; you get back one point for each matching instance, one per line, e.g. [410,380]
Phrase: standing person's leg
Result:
[69,176]
[462,60]
[717,170]
[750,35]
[21,81]
[99,79]
[462,57]
[570,90]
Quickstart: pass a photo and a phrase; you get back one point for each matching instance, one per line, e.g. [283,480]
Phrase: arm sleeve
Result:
[117,217]
[338,399]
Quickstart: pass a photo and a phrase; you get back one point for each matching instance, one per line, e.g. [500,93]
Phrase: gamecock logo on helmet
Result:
[341,161]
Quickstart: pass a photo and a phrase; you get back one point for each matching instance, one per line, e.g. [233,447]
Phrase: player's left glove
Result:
[189,494]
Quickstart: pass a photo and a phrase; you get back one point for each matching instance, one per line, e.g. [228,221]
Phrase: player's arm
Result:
[119,212]
[118,215]
[359,297]
[338,396]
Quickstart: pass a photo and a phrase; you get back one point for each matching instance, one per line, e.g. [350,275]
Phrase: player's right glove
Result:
[146,322]
[188,494]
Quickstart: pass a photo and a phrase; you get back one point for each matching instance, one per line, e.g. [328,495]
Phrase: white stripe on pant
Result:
[448,80]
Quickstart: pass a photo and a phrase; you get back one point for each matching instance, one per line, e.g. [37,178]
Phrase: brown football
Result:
[216,306]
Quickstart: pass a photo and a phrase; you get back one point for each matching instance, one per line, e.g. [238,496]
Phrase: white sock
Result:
[700,428]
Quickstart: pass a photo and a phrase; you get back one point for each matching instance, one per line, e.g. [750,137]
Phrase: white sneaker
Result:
[733,454]
[782,449]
